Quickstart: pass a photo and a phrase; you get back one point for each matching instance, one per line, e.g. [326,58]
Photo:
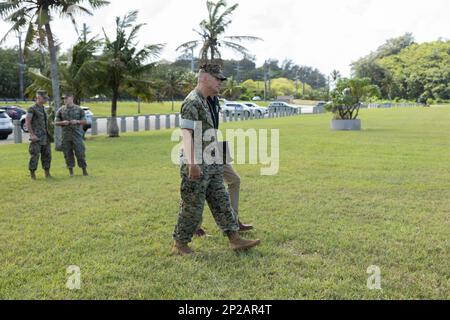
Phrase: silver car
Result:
[235,108]
[6,125]
[280,106]
[257,110]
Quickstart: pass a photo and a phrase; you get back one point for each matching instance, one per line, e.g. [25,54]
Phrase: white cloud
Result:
[323,33]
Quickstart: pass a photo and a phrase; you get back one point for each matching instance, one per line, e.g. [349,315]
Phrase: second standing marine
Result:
[72,118]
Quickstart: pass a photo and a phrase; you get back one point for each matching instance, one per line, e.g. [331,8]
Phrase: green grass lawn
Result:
[103,109]
[342,201]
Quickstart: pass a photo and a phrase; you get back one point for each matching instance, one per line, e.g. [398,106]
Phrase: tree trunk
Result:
[21,72]
[113,127]
[55,83]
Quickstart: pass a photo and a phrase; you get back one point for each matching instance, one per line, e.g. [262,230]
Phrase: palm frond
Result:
[133,34]
[189,45]
[8,7]
[236,47]
[243,38]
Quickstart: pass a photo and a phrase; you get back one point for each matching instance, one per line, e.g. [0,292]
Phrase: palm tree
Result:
[36,15]
[231,89]
[211,31]
[174,82]
[335,75]
[79,75]
[124,65]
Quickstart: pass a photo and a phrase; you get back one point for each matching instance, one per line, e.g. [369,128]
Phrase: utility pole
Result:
[238,72]
[265,80]
[328,85]
[21,68]
[85,32]
[270,84]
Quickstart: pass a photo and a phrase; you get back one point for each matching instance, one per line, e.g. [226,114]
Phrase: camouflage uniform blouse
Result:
[39,123]
[195,109]
[74,112]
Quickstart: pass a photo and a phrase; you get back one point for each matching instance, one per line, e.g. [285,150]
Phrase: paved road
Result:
[102,124]
[101,127]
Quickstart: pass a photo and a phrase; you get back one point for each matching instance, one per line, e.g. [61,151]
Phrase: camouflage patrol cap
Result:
[42,93]
[214,70]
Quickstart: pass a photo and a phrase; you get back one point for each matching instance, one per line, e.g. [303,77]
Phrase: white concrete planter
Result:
[353,125]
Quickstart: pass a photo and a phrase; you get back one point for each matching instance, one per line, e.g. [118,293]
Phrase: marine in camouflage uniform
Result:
[210,186]
[71,117]
[40,146]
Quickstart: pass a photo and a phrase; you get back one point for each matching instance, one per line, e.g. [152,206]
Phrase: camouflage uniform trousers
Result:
[44,151]
[72,149]
[193,195]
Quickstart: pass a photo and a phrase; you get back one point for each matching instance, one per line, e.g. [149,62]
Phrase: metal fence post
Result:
[17,132]
[94,127]
[158,122]
[123,124]
[147,123]
[108,122]
[167,121]
[177,120]
[135,123]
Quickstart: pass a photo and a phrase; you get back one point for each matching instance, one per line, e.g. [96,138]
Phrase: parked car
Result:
[89,115]
[6,125]
[320,106]
[279,106]
[23,123]
[14,112]
[257,98]
[233,108]
[257,110]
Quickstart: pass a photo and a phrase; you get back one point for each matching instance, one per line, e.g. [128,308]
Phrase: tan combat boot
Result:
[237,243]
[181,249]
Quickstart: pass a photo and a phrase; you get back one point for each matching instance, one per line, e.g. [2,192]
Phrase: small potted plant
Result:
[346,101]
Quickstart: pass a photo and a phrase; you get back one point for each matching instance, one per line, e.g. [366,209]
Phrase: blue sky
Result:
[324,34]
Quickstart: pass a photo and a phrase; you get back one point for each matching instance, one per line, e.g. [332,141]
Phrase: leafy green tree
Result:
[420,72]
[9,71]
[348,96]
[124,66]
[35,16]
[370,67]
